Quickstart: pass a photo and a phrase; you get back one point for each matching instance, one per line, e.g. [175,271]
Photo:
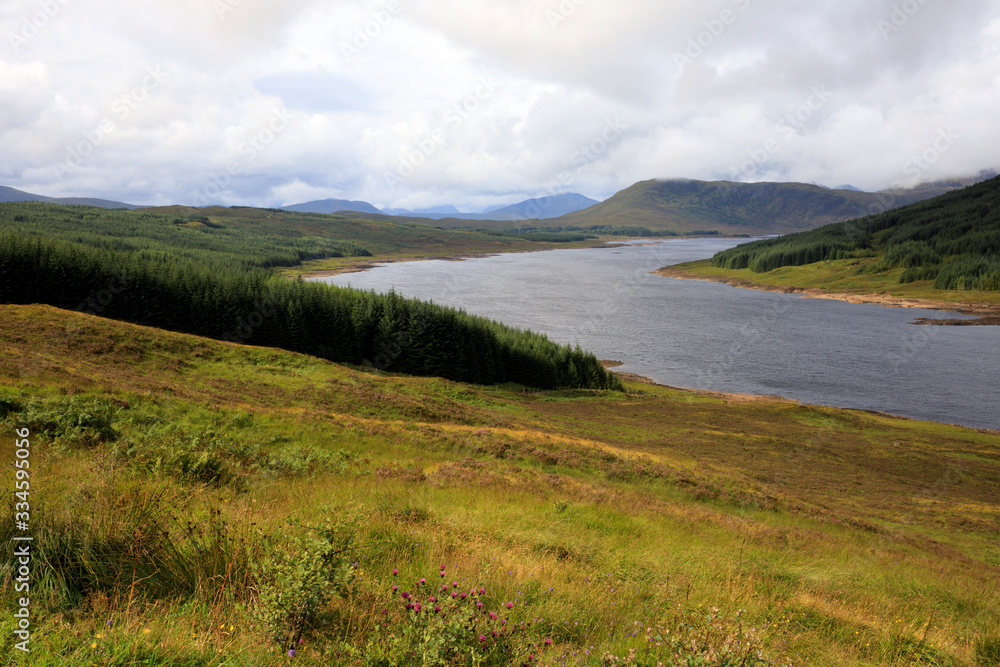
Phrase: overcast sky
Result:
[478,103]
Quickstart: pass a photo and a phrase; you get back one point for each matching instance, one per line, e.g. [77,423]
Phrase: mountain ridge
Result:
[10,195]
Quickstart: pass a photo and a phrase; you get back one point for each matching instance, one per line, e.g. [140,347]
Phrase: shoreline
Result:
[366,264]
[725,395]
[987,314]
[773,398]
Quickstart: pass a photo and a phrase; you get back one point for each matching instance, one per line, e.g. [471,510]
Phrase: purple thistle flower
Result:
[510,605]
[395,572]
[291,653]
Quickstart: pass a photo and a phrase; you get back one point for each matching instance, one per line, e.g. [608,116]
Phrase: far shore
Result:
[987,313]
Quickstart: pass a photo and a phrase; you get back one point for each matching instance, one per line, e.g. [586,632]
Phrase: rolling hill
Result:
[687,205]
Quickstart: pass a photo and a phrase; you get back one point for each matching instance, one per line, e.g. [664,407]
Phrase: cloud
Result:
[481,102]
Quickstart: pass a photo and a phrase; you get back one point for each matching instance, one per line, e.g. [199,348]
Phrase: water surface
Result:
[707,335]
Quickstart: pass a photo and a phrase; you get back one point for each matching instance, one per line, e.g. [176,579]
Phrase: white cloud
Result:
[395,88]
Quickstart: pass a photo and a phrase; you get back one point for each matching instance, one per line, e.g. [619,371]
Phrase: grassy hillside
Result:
[951,241]
[196,502]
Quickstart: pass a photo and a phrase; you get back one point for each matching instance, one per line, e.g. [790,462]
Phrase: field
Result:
[197,502]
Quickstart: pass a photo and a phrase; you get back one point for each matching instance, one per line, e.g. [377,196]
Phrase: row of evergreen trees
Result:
[953,239]
[254,307]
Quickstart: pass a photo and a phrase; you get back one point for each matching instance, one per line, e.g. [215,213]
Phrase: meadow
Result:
[198,502]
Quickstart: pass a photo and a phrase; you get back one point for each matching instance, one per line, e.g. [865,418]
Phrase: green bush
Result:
[301,574]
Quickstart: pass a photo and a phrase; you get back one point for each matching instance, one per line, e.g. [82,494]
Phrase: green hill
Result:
[735,208]
[194,502]
[952,240]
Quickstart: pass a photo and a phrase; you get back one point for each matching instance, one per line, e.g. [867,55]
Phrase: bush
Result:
[301,575]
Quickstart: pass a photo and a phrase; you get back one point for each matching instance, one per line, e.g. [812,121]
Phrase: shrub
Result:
[298,577]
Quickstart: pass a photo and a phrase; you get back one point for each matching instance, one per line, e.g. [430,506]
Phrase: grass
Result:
[202,503]
[837,276]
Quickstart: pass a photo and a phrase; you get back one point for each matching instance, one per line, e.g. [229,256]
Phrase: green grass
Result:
[818,536]
[833,276]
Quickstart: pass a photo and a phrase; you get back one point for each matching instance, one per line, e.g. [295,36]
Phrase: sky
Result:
[483,103]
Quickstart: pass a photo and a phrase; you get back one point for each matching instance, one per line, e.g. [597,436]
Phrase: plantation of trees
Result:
[214,281]
[953,240]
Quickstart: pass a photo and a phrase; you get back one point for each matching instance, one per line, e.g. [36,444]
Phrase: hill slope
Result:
[952,240]
[687,205]
[188,495]
[544,208]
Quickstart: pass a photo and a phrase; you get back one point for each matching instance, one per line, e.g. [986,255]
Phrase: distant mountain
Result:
[544,208]
[687,205]
[332,206]
[11,195]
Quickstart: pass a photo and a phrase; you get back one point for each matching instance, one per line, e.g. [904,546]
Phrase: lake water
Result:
[706,335]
